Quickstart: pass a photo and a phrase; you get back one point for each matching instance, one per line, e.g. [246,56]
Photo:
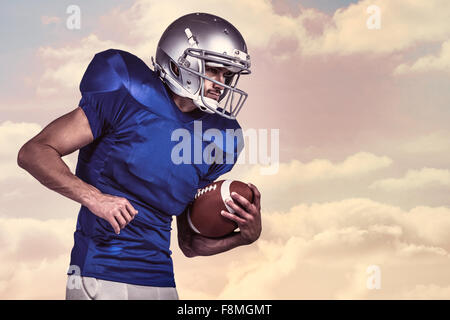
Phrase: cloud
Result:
[317,220]
[65,66]
[414,179]
[18,189]
[12,137]
[323,250]
[264,23]
[431,291]
[437,142]
[37,252]
[310,52]
[440,62]
[144,23]
[312,251]
[320,177]
[297,172]
[284,36]
[403,24]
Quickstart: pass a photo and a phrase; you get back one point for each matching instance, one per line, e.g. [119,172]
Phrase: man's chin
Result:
[214,97]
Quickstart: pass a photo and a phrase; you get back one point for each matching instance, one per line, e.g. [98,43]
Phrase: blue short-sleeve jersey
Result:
[133,118]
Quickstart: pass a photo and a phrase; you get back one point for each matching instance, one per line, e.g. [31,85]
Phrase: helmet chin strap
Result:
[199,103]
[196,98]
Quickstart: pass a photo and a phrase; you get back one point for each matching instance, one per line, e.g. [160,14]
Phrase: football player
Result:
[126,182]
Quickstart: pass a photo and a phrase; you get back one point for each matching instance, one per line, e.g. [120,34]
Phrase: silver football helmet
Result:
[193,42]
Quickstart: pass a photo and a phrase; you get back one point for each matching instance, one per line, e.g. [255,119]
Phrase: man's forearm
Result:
[203,246]
[45,164]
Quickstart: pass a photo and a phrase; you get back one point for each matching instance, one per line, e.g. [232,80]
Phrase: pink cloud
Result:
[324,101]
[49,20]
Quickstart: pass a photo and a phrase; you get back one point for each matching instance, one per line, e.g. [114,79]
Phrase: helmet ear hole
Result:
[174,68]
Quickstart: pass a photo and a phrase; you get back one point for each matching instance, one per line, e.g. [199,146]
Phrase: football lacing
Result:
[204,190]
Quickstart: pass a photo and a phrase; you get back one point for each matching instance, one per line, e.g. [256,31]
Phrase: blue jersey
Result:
[132,118]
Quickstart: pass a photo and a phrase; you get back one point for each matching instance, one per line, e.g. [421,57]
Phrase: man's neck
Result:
[184,104]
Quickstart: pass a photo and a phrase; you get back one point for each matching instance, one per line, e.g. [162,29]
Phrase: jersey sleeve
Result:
[102,99]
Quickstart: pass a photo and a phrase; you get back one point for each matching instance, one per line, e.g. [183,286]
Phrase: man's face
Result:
[213,90]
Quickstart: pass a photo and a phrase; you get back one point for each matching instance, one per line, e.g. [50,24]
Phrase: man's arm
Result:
[248,219]
[41,157]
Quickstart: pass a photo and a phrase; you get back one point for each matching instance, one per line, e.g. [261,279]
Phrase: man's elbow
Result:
[189,254]
[23,156]
[187,250]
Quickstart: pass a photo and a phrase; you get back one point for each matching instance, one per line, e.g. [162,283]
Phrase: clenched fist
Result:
[116,210]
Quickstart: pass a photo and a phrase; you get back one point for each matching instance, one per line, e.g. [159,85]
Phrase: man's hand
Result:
[116,210]
[249,222]
[249,218]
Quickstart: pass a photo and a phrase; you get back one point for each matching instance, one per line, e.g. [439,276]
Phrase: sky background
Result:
[363,116]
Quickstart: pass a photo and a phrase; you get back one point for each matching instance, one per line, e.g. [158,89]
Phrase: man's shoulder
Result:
[112,68]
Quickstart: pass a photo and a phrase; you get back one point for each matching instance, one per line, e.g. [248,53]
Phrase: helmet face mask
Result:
[191,46]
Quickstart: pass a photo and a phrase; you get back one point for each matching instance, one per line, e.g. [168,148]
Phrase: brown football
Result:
[204,215]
